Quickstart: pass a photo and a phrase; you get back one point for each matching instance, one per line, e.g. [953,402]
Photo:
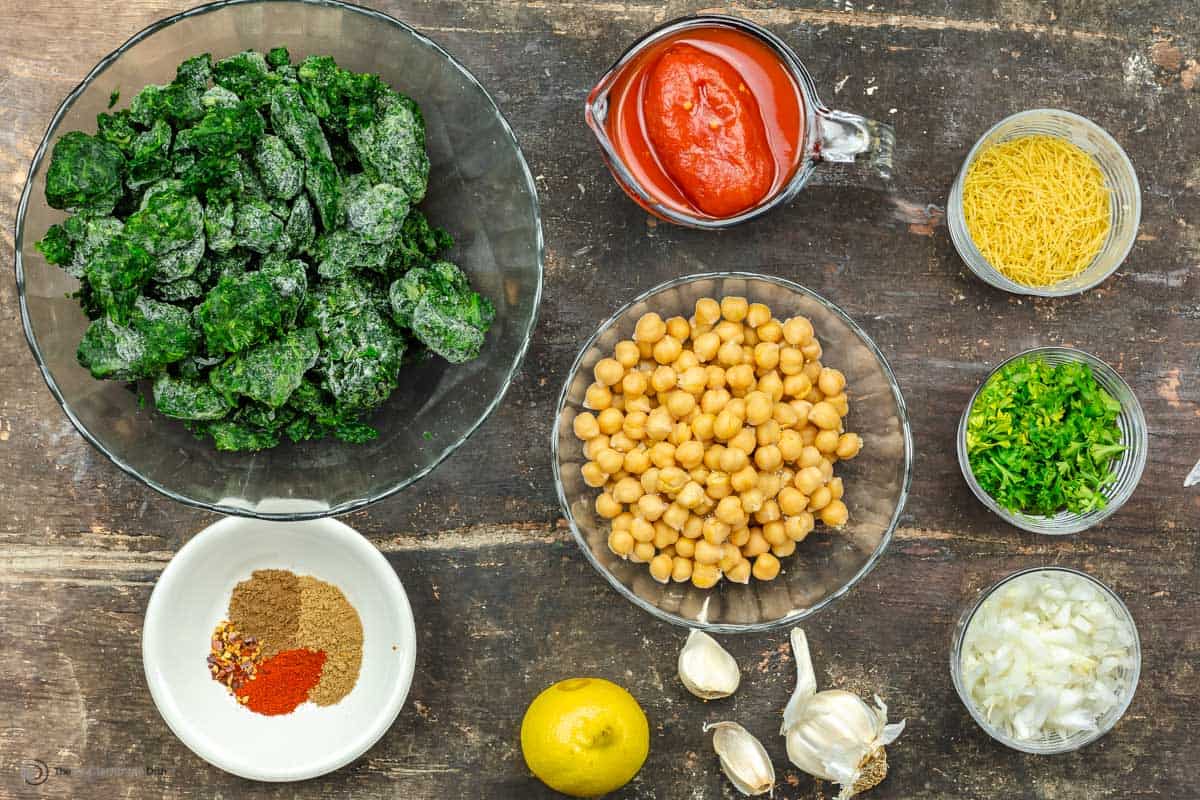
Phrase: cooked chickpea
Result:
[663,378]
[671,480]
[744,441]
[718,485]
[740,536]
[769,483]
[641,530]
[739,378]
[768,433]
[734,308]
[645,350]
[768,513]
[837,488]
[681,569]
[634,384]
[659,424]
[826,441]
[814,395]
[820,498]
[634,425]
[606,506]
[826,467]
[770,384]
[660,567]
[848,446]
[691,495]
[680,403]
[609,460]
[732,459]
[700,474]
[690,454]
[810,456]
[792,501]
[609,421]
[598,397]
[621,543]
[797,386]
[627,354]
[729,355]
[716,376]
[636,461]
[703,427]
[835,514]
[651,506]
[808,434]
[791,361]
[756,544]
[758,408]
[712,456]
[713,400]
[585,426]
[748,354]
[662,455]
[813,352]
[649,328]
[840,403]
[608,371]
[766,567]
[707,552]
[771,332]
[766,355]
[627,491]
[752,500]
[812,371]
[730,556]
[667,349]
[797,331]
[825,416]
[705,576]
[679,328]
[714,530]
[808,480]
[799,526]
[768,457]
[737,406]
[784,549]
[674,517]
[642,552]
[649,480]
[730,511]
[640,403]
[685,547]
[592,475]
[831,381]
[706,346]
[774,533]
[693,380]
[739,572]
[790,445]
[682,431]
[744,479]
[595,445]
[727,424]
[707,311]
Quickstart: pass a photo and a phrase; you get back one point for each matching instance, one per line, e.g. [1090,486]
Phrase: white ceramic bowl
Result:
[192,596]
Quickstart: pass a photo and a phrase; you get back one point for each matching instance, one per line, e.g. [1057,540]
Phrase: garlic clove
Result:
[706,668]
[743,758]
[806,679]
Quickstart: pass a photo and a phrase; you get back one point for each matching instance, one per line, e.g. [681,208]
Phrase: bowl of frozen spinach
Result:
[278,259]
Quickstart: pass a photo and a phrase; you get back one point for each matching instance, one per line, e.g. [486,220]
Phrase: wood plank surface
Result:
[504,602]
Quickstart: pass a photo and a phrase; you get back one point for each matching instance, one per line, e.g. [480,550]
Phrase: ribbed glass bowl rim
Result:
[960,634]
[965,245]
[27,323]
[1046,525]
[713,627]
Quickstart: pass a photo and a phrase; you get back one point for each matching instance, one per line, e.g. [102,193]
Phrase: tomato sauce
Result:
[708,121]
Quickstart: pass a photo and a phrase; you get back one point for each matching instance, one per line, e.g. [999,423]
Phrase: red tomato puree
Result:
[708,121]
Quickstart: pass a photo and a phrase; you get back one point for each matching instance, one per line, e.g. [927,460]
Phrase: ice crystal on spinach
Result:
[246,238]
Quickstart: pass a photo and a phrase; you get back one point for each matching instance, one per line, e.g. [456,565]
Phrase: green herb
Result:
[1042,438]
[114,97]
[246,237]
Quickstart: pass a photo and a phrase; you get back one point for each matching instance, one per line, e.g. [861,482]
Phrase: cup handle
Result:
[845,138]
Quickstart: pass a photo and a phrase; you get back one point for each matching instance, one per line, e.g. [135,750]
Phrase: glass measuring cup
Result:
[829,135]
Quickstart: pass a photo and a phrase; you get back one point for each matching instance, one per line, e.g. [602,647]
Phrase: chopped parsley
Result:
[1042,438]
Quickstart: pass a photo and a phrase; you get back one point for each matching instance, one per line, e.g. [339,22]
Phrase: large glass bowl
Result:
[826,564]
[1128,468]
[480,190]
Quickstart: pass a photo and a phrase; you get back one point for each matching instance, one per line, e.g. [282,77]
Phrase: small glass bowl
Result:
[1125,207]
[1053,743]
[1131,421]
[826,564]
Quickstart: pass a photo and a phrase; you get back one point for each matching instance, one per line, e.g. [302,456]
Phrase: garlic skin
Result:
[706,669]
[743,758]
[834,735]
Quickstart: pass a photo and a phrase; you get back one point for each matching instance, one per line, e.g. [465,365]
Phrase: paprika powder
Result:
[283,681]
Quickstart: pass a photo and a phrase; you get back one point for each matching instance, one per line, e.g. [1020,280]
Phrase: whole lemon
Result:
[585,737]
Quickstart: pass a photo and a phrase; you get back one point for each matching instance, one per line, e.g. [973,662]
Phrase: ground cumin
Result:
[328,623]
[267,607]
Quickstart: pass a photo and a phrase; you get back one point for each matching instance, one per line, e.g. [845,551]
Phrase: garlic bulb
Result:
[834,735]
[706,669]
[743,758]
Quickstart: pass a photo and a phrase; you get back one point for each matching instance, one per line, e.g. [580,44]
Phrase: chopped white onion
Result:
[1046,654]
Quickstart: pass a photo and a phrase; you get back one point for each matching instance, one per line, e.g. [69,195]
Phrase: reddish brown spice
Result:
[232,657]
[283,681]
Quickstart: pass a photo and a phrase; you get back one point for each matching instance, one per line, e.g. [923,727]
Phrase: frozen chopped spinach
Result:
[246,237]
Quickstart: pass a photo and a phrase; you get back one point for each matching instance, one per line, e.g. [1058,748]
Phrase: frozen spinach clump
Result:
[247,239]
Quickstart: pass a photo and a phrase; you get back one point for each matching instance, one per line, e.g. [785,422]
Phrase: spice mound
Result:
[288,639]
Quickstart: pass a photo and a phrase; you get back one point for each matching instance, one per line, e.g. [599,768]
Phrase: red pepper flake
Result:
[234,658]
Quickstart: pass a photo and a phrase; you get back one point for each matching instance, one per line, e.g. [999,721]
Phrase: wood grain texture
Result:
[504,602]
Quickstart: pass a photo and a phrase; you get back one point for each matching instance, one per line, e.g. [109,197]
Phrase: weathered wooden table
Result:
[504,602]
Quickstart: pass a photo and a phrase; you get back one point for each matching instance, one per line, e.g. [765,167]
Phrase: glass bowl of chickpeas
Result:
[732,451]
